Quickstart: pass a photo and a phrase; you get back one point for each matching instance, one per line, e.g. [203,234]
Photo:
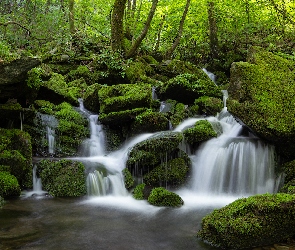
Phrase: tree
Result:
[212,30]
[71,17]
[180,30]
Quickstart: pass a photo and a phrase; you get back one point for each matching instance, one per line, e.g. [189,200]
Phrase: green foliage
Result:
[129,181]
[6,56]
[248,222]
[202,131]
[172,173]
[162,197]
[209,105]
[34,79]
[138,192]
[8,186]
[63,177]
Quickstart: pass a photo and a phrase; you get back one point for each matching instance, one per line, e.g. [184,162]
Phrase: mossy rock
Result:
[251,222]
[9,186]
[124,97]
[128,179]
[91,100]
[202,131]
[150,121]
[172,173]
[172,68]
[185,88]
[138,192]
[151,151]
[16,152]
[69,126]
[261,95]
[162,197]
[209,105]
[138,70]
[289,180]
[62,178]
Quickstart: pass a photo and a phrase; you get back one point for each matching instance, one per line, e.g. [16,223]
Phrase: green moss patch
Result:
[9,186]
[62,178]
[250,222]
[162,197]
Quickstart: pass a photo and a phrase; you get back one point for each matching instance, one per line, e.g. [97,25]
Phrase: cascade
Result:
[210,75]
[154,94]
[37,184]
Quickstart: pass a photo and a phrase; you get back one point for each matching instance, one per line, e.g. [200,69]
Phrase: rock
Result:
[13,76]
[261,96]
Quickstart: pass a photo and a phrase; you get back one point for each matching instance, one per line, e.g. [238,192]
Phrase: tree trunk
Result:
[212,30]
[144,32]
[117,31]
[159,33]
[71,17]
[180,30]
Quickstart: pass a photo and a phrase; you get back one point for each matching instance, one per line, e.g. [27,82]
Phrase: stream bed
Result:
[98,223]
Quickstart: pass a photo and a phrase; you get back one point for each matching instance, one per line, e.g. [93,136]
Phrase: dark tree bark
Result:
[144,32]
[212,30]
[117,30]
[180,30]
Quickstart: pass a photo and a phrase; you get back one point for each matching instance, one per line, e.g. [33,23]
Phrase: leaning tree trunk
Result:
[180,30]
[144,32]
[212,31]
[117,30]
[71,17]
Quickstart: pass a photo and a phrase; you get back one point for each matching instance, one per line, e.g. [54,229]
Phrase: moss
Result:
[16,152]
[8,186]
[202,131]
[124,97]
[81,71]
[138,192]
[150,121]
[129,181]
[63,177]
[173,173]
[209,105]
[185,88]
[172,68]
[137,70]
[250,222]
[264,88]
[162,197]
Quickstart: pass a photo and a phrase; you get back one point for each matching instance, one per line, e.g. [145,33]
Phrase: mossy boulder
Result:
[149,153]
[138,70]
[16,152]
[150,121]
[62,178]
[202,131]
[9,186]
[289,171]
[261,95]
[128,179]
[172,173]
[69,126]
[209,105]
[91,100]
[251,222]
[185,88]
[162,197]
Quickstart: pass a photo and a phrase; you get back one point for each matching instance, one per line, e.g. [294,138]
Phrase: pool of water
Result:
[99,223]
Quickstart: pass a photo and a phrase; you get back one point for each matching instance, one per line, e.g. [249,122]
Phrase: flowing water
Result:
[233,165]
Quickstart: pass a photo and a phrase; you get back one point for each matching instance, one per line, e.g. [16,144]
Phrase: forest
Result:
[202,32]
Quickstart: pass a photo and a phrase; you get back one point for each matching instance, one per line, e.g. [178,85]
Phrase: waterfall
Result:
[37,184]
[154,94]
[210,75]
[233,164]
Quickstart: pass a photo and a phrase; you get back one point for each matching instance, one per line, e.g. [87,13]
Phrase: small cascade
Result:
[225,96]
[154,94]
[210,75]
[21,117]
[95,145]
[37,184]
[49,123]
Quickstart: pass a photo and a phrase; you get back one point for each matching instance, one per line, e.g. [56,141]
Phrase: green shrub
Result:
[129,181]
[8,185]
[250,222]
[162,197]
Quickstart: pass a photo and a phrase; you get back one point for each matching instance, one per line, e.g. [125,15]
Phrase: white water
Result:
[210,75]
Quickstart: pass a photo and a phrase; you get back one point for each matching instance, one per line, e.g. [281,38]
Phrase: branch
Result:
[18,24]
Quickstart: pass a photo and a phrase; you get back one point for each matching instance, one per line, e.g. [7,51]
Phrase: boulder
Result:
[261,96]
[13,77]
